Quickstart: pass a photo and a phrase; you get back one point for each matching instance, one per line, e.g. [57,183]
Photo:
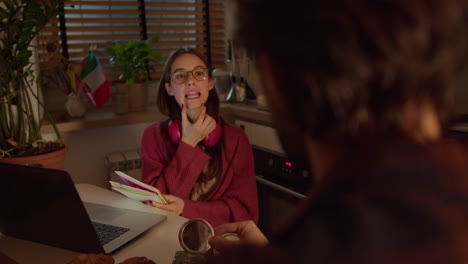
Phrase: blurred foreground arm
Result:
[105,259]
[4,259]
[92,259]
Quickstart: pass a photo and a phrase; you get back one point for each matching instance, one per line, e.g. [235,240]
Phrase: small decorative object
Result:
[240,91]
[93,81]
[262,102]
[75,107]
[55,82]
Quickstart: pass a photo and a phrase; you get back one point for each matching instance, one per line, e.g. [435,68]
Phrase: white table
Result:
[159,244]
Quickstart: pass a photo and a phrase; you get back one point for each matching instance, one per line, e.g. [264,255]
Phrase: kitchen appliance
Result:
[282,173]
[282,184]
[271,162]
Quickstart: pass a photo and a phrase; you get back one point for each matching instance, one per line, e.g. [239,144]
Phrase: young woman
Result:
[202,164]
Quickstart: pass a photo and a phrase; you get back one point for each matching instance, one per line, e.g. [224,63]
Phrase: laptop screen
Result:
[43,205]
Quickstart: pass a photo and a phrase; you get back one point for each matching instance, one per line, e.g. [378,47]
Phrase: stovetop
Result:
[278,169]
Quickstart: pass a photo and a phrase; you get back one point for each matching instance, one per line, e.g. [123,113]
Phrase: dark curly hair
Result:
[348,67]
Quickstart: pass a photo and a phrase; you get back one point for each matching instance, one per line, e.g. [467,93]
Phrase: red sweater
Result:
[174,169]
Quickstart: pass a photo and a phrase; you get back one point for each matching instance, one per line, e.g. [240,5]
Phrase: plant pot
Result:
[137,97]
[52,160]
[120,103]
[120,87]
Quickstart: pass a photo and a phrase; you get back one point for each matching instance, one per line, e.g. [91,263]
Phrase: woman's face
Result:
[190,82]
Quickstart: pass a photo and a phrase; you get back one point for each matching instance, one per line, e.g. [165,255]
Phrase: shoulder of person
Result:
[157,126]
[155,130]
[232,128]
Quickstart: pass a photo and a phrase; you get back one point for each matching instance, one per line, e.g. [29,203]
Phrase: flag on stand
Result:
[93,81]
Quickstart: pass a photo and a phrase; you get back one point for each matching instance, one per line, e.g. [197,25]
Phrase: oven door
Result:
[277,204]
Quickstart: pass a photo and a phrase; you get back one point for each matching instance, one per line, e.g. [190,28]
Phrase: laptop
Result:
[42,205]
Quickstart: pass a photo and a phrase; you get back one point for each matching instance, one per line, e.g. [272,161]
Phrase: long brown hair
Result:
[168,106]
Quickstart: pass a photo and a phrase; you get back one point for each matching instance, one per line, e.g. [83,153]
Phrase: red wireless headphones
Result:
[174,128]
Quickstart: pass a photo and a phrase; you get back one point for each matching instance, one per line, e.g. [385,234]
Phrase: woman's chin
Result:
[193,105]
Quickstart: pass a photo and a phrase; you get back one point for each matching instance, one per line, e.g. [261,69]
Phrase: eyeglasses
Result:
[200,74]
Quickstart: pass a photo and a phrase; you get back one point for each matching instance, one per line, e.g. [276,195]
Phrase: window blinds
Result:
[176,23]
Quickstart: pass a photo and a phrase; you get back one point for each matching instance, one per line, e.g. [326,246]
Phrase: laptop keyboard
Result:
[107,233]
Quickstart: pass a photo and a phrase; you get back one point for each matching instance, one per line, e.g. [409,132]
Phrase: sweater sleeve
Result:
[236,196]
[172,173]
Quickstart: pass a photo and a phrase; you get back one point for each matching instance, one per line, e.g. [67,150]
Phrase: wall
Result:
[87,149]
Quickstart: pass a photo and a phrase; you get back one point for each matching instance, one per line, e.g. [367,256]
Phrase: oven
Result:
[282,185]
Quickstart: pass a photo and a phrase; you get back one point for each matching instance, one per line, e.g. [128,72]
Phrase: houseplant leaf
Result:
[135,58]
[20,107]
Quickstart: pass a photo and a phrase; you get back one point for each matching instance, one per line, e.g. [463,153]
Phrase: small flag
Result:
[94,81]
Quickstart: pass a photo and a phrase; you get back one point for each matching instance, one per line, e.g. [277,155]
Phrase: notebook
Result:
[43,205]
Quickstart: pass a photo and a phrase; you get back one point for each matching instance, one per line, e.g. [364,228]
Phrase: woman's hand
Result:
[175,204]
[193,133]
[247,231]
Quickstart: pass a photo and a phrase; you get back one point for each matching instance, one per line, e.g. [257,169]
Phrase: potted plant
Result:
[21,107]
[136,60]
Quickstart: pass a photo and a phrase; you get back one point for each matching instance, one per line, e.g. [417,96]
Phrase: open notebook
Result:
[43,205]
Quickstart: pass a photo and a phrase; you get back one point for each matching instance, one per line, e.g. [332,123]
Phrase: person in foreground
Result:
[204,164]
[89,259]
[364,90]
[106,259]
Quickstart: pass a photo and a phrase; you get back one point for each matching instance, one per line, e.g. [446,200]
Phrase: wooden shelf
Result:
[105,117]
[98,118]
